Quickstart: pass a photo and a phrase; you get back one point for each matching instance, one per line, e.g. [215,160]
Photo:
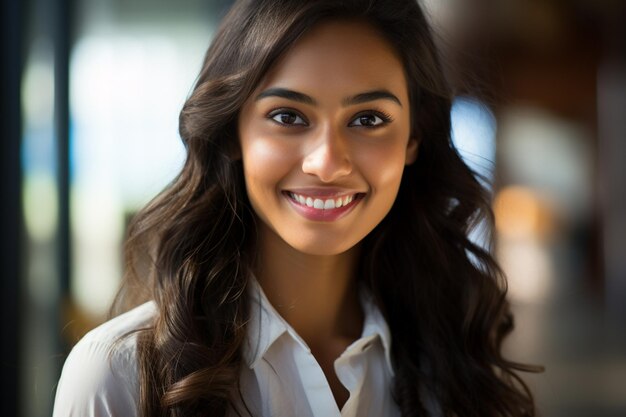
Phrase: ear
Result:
[411,151]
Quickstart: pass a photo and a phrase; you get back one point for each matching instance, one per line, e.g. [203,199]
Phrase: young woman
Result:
[312,258]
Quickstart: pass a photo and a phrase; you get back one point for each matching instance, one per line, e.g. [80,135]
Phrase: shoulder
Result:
[100,375]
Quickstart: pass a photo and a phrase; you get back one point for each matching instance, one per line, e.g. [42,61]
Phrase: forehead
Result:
[339,56]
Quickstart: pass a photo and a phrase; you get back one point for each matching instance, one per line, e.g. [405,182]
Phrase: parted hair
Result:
[192,248]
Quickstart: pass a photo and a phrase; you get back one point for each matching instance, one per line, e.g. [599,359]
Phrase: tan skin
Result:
[330,144]
[320,302]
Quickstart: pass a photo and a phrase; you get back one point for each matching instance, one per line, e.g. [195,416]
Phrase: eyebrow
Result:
[372,96]
[288,94]
[305,99]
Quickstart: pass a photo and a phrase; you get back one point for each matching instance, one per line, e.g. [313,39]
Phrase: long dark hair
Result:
[192,248]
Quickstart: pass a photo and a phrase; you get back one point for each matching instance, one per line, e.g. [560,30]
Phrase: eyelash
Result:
[280,111]
[385,117]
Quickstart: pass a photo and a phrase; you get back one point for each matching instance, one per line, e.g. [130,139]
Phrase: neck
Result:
[317,295]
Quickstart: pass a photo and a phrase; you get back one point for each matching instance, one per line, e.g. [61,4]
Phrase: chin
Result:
[321,247]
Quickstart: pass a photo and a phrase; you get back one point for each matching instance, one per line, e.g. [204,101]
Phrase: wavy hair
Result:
[192,248]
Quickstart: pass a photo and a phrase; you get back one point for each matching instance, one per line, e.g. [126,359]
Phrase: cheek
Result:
[384,168]
[265,163]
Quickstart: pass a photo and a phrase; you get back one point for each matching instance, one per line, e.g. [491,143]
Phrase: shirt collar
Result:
[375,324]
[266,326]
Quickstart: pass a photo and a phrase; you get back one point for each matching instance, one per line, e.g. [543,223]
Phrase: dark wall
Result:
[10,211]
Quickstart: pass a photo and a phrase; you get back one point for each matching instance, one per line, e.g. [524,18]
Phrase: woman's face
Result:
[325,138]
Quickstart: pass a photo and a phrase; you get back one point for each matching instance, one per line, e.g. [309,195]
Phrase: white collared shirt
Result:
[280,376]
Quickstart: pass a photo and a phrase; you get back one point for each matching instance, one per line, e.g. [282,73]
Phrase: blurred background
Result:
[91,91]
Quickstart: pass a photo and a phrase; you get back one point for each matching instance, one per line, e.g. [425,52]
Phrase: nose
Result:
[328,158]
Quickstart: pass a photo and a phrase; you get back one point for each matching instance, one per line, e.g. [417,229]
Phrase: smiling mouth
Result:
[320,203]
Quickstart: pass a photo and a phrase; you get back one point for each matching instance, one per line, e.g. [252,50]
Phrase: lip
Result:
[324,215]
[323,192]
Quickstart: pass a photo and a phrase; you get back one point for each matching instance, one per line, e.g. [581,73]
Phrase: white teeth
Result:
[321,204]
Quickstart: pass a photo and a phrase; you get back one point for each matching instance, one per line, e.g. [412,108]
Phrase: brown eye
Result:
[287,118]
[370,120]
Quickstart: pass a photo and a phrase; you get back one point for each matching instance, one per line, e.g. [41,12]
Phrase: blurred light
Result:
[38,148]
[552,155]
[523,222]
[41,208]
[39,186]
[474,135]
[126,93]
[38,86]
[520,214]
[97,227]
[528,268]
